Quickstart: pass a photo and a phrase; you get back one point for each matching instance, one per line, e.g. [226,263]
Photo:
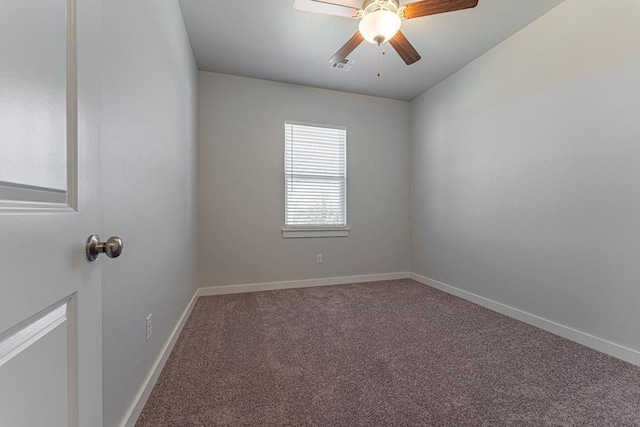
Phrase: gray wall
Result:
[525,172]
[148,194]
[241,189]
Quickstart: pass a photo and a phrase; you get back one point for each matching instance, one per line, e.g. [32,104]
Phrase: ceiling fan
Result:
[380,20]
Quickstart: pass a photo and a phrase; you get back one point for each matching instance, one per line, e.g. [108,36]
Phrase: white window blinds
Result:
[315,176]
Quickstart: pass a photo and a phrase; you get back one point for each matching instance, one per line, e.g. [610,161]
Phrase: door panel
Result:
[33,93]
[50,295]
[32,352]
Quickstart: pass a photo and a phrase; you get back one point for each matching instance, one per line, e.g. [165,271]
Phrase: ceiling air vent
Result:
[344,65]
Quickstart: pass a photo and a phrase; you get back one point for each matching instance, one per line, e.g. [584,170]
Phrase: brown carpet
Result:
[379,354]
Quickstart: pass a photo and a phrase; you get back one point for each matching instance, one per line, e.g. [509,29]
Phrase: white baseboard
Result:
[143,394]
[599,344]
[257,287]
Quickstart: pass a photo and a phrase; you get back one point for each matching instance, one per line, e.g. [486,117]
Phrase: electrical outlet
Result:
[319,259]
[149,328]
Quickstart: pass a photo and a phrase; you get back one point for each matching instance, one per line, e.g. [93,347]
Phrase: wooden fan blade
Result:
[406,51]
[433,7]
[326,7]
[349,47]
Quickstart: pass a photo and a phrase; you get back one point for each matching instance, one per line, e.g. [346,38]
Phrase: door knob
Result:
[112,247]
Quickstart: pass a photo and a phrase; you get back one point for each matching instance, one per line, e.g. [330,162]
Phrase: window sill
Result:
[300,233]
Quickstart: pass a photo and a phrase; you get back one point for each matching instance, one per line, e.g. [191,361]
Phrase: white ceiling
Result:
[268,39]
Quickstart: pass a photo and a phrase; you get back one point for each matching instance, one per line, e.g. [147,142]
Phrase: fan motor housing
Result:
[372,5]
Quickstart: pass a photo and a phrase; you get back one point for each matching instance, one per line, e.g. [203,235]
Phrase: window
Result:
[315,174]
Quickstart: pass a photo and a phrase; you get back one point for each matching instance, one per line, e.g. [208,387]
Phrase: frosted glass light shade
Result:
[379,26]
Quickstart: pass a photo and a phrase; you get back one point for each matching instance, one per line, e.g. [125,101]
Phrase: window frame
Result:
[314,230]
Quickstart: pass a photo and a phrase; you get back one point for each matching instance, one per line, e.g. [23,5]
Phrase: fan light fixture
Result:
[379,26]
[380,21]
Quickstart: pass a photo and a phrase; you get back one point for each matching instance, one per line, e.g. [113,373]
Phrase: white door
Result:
[50,295]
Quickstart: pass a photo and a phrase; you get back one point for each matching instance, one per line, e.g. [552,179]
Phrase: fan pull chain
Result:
[384,52]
